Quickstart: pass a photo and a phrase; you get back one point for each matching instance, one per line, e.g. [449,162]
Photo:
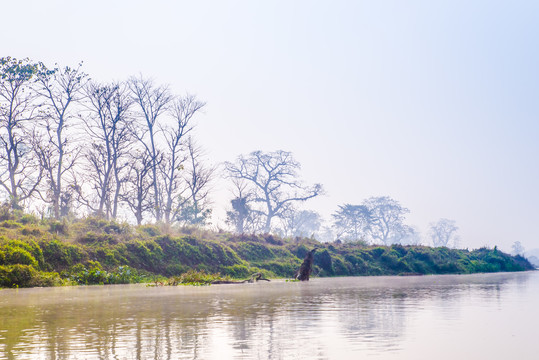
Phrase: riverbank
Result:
[96,251]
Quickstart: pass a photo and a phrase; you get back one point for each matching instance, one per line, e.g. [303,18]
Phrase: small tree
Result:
[351,222]
[242,217]
[300,223]
[517,248]
[443,232]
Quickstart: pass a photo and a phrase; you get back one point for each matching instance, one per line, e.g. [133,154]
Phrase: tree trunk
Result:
[304,271]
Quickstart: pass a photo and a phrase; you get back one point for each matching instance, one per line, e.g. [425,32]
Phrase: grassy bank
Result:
[96,251]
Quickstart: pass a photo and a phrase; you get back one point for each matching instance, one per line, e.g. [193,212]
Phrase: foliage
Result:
[101,252]
[93,273]
[198,278]
[20,275]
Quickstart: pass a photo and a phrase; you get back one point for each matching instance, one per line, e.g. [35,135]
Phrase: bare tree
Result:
[61,89]
[109,128]
[153,101]
[411,236]
[198,177]
[274,181]
[242,217]
[386,220]
[20,173]
[138,185]
[351,222]
[300,223]
[443,232]
[178,151]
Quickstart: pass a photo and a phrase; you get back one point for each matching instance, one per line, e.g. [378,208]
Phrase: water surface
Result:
[484,316]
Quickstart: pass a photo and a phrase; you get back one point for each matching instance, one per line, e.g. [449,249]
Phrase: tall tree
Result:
[443,232]
[138,185]
[197,176]
[153,101]
[273,178]
[20,173]
[61,89]
[179,151]
[109,127]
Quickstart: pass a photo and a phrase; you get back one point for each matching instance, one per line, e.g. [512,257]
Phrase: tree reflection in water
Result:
[322,319]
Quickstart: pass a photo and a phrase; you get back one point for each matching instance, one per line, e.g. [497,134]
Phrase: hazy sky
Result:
[434,103]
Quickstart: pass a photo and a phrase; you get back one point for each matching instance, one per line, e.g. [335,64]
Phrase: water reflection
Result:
[323,319]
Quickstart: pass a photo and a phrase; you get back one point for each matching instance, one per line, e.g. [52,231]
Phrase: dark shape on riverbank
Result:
[304,271]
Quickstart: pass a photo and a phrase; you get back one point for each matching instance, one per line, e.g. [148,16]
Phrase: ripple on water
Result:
[345,318]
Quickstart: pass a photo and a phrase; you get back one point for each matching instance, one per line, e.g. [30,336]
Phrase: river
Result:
[482,316]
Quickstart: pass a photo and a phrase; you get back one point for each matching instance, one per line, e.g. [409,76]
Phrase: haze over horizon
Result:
[433,104]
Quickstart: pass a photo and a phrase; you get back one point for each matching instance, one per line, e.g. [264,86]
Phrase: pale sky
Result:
[434,103]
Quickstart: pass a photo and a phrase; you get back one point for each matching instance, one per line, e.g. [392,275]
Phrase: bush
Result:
[150,230]
[59,255]
[58,228]
[26,276]
[193,277]
[237,271]
[10,224]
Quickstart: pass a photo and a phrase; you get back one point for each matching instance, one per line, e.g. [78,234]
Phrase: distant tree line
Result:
[71,146]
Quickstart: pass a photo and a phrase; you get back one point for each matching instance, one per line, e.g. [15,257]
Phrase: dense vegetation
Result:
[95,251]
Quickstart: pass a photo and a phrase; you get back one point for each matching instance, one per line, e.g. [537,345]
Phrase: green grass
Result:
[97,251]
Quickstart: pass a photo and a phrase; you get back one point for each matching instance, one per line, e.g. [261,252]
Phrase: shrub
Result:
[17,255]
[57,227]
[237,271]
[150,230]
[28,219]
[60,255]
[19,275]
[193,277]
[10,224]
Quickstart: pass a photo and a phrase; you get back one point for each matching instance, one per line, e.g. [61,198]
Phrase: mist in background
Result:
[433,104]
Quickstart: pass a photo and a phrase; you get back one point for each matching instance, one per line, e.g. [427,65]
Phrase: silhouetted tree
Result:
[138,184]
[299,223]
[351,222]
[273,179]
[386,220]
[197,176]
[178,187]
[61,90]
[443,232]
[20,173]
[153,102]
[517,248]
[109,127]
[242,217]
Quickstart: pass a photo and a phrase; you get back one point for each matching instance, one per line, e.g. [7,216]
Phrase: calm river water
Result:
[486,316]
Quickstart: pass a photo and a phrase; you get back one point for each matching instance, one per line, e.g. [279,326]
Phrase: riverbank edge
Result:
[96,251]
